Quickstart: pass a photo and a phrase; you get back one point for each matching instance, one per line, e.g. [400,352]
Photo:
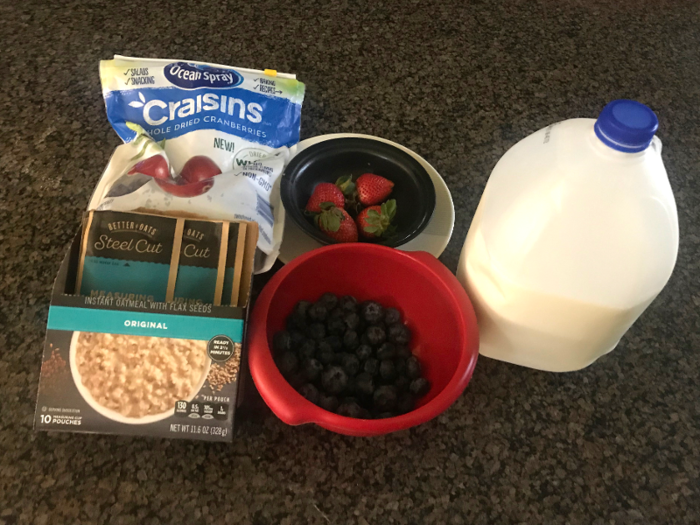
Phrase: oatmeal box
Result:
[122,362]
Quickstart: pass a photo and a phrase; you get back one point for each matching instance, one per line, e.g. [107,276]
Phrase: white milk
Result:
[572,240]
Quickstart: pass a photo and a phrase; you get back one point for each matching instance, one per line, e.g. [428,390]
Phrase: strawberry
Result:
[325,192]
[372,189]
[375,221]
[336,223]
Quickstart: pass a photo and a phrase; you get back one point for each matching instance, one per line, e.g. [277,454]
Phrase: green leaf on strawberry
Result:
[336,223]
[346,185]
[330,217]
[375,221]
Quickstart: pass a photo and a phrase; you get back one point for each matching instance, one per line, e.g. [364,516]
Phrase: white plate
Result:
[433,239]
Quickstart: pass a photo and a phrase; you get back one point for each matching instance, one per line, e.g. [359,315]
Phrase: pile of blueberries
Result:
[350,358]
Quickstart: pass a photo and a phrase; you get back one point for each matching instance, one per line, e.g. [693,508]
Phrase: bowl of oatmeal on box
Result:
[137,379]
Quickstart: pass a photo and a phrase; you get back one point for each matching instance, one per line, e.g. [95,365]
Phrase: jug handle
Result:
[656,144]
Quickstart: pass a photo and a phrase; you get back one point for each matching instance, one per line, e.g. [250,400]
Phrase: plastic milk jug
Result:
[575,234]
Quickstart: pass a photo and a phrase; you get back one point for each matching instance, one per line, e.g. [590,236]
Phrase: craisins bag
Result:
[201,139]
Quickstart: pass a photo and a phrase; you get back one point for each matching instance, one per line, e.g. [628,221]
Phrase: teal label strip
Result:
[194,282]
[124,276]
[140,323]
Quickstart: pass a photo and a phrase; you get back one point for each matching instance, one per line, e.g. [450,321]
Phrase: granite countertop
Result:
[459,82]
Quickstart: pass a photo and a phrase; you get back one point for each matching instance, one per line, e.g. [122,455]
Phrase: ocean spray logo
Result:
[157,112]
[195,76]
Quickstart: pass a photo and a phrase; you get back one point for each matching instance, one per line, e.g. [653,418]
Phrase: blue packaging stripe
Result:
[166,113]
[147,324]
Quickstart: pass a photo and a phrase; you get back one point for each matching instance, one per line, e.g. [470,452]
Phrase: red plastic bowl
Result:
[434,304]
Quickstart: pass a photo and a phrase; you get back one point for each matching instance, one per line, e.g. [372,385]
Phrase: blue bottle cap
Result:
[626,125]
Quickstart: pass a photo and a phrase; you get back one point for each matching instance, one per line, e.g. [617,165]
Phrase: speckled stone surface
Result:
[459,82]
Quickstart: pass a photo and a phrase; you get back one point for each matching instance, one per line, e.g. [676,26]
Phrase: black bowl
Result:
[328,160]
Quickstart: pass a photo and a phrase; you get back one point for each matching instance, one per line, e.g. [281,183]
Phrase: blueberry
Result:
[352,321]
[329,300]
[387,370]
[391,316]
[329,403]
[336,313]
[350,363]
[403,351]
[348,303]
[361,327]
[385,415]
[380,324]
[364,414]
[412,368]
[336,343]
[364,385]
[386,351]
[336,326]
[402,383]
[334,380]
[302,308]
[307,349]
[310,392]
[371,366]
[325,353]
[316,331]
[364,340]
[399,334]
[363,352]
[282,342]
[385,398]
[405,403]
[350,387]
[375,335]
[419,387]
[349,399]
[311,368]
[372,312]
[400,366]
[351,340]
[288,363]
[350,410]
[296,322]
[297,338]
[318,312]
